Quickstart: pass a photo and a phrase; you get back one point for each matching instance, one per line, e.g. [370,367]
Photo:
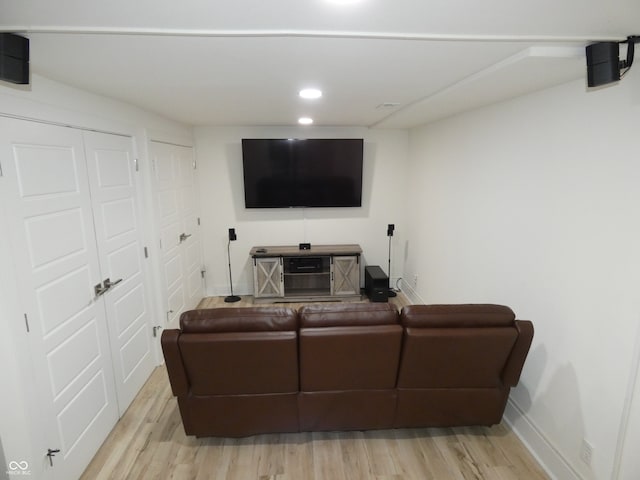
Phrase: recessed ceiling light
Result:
[310,93]
[305,121]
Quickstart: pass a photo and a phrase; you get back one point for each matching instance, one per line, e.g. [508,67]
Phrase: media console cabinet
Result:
[322,272]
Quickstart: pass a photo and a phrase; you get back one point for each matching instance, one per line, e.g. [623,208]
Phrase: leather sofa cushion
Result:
[344,358]
[240,363]
[252,319]
[451,316]
[455,357]
[239,415]
[347,314]
[347,410]
[449,407]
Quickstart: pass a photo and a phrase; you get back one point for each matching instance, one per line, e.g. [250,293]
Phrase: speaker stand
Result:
[231,298]
[392,292]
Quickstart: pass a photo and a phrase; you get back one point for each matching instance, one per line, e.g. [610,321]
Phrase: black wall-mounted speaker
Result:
[14,58]
[232,234]
[603,63]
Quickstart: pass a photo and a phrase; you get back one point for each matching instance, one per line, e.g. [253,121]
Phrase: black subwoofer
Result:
[376,284]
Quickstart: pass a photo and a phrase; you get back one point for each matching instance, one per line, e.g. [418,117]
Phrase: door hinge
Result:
[1,175]
[146,252]
[198,218]
[135,160]
[156,329]
[26,322]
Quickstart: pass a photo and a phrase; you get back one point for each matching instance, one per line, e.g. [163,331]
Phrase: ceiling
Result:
[379,63]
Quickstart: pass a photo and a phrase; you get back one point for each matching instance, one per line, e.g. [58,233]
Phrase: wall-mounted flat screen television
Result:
[315,172]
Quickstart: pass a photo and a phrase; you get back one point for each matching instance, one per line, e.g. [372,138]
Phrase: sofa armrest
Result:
[515,363]
[173,359]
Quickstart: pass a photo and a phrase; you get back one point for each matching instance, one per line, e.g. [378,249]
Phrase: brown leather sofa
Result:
[349,366]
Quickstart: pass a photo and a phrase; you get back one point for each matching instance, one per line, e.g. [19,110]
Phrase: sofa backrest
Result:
[228,351]
[349,346]
[470,346]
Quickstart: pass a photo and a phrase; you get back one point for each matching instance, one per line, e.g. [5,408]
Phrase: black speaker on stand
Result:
[390,228]
[232,237]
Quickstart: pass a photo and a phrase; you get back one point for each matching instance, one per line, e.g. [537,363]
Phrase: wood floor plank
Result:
[149,443]
[354,456]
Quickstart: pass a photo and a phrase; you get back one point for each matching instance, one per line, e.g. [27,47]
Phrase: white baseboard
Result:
[410,293]
[549,458]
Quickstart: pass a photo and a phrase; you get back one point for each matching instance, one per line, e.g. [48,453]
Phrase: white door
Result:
[180,244]
[111,171]
[191,244]
[46,187]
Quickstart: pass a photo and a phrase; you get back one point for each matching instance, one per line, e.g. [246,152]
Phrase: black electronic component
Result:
[14,58]
[376,283]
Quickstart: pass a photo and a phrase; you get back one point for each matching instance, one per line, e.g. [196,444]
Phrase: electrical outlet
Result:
[586,452]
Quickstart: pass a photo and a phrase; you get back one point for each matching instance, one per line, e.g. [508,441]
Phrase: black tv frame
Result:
[303,173]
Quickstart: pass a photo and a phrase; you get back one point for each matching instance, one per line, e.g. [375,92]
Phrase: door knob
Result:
[108,283]
[102,288]
[184,236]
[99,290]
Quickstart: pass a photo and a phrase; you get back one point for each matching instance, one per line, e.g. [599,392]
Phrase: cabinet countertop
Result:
[294,250]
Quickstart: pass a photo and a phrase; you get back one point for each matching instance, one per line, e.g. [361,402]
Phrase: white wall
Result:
[531,203]
[219,157]
[535,203]
[50,101]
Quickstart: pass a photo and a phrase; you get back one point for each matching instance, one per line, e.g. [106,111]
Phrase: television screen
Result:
[318,172]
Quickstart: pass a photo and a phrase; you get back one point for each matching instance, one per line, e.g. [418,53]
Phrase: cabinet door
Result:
[267,277]
[345,275]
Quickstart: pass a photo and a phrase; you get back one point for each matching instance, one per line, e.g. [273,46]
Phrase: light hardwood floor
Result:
[149,443]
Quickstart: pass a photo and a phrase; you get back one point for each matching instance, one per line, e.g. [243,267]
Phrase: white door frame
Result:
[178,257]
[626,463]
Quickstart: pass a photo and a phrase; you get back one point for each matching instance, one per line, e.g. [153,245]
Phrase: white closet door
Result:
[111,170]
[176,200]
[191,245]
[46,188]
